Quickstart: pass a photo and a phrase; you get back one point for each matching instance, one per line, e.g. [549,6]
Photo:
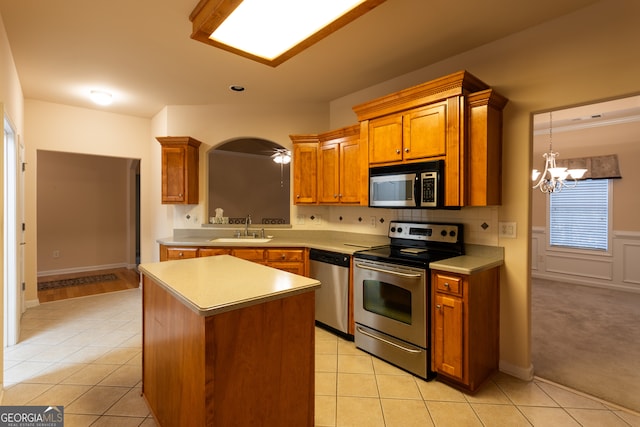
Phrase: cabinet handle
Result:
[406,150]
[180,254]
[438,306]
[447,285]
[297,196]
[339,195]
[335,196]
[180,195]
[282,256]
[397,151]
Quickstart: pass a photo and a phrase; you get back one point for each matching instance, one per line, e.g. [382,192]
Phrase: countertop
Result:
[213,285]
[477,257]
[340,242]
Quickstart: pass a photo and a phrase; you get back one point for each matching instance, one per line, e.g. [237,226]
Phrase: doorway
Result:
[13,260]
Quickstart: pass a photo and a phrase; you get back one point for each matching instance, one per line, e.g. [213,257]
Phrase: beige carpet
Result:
[588,339]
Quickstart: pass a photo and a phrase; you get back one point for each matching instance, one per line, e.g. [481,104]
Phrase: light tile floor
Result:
[85,354]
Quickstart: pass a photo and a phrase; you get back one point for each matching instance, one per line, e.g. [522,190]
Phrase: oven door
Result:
[391,299]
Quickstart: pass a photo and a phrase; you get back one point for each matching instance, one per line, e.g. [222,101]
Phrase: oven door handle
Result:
[382,270]
[408,350]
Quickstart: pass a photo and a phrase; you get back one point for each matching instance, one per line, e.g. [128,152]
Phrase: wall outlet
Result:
[300,219]
[507,229]
[372,222]
[56,254]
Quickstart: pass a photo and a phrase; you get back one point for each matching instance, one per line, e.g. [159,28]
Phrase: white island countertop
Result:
[213,285]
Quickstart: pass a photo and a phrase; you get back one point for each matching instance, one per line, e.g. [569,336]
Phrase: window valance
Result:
[598,167]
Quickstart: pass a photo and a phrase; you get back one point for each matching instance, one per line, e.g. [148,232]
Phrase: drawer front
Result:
[202,252]
[449,284]
[181,253]
[285,255]
[256,255]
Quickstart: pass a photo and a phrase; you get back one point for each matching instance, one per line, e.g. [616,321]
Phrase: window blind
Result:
[579,216]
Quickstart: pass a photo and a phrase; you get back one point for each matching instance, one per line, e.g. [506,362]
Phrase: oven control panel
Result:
[431,232]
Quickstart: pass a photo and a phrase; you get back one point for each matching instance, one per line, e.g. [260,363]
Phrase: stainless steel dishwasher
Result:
[332,298]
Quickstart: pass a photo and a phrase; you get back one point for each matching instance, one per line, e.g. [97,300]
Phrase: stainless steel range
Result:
[392,292]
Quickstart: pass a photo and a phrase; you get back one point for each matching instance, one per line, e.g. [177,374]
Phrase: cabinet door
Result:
[385,139]
[448,336]
[173,174]
[305,169]
[425,132]
[351,190]
[329,173]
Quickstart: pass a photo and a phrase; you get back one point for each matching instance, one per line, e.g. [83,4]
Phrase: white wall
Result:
[11,105]
[587,55]
[56,127]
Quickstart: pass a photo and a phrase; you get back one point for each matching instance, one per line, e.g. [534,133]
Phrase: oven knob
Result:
[443,233]
[452,233]
[399,229]
[393,229]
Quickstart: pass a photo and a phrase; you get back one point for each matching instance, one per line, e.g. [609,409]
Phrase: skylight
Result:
[272,31]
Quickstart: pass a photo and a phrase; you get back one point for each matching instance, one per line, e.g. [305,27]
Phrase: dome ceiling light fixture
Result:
[270,32]
[101,97]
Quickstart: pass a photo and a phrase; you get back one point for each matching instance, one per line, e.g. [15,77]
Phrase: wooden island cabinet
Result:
[227,342]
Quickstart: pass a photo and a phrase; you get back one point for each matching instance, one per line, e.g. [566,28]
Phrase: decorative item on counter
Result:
[219,218]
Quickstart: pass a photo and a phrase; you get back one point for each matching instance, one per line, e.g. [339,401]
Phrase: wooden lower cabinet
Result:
[465,326]
[292,260]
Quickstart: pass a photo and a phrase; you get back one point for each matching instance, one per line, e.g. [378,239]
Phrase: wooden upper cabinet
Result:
[456,118]
[425,132]
[342,170]
[305,169]
[330,168]
[180,157]
[385,140]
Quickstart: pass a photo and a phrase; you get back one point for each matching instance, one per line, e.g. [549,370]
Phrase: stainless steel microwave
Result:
[413,185]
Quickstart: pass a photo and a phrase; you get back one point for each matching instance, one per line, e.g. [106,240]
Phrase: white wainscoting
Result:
[620,269]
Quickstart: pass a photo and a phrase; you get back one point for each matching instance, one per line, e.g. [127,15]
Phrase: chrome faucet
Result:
[247,223]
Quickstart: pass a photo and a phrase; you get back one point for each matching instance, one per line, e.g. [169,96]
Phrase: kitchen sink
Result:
[239,239]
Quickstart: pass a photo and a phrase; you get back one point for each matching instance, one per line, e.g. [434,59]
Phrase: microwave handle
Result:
[417,189]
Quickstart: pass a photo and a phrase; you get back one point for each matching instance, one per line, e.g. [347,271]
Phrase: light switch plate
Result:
[507,229]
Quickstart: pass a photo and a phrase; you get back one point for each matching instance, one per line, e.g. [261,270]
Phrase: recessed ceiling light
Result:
[271,32]
[237,88]
[101,98]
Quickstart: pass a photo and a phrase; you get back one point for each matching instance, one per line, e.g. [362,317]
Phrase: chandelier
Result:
[554,178]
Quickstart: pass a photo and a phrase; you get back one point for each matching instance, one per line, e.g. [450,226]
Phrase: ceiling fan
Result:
[281,156]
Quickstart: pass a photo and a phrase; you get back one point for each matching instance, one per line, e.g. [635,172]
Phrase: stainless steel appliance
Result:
[414,185]
[392,292]
[332,298]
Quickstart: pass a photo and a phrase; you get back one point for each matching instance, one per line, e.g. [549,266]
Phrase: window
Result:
[579,216]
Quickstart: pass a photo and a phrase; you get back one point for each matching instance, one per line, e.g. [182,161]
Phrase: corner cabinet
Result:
[465,327]
[330,168]
[456,118]
[180,157]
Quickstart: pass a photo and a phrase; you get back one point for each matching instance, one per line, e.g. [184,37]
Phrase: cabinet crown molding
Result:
[459,83]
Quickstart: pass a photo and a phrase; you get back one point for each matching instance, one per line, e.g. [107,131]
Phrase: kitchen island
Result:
[227,342]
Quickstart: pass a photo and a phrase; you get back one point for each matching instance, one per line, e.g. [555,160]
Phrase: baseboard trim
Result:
[525,374]
[32,303]
[83,269]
